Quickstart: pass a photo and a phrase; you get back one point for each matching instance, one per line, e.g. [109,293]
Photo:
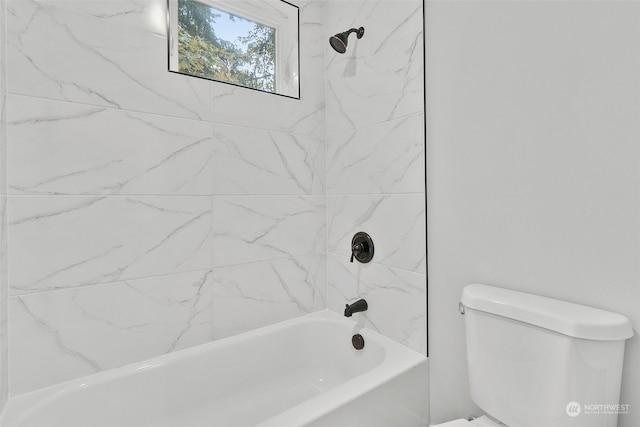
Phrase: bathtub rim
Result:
[398,359]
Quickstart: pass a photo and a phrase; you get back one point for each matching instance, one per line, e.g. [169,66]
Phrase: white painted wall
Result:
[533,134]
[4,285]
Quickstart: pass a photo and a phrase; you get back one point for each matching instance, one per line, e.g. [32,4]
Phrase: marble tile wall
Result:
[269,222]
[150,211]
[375,165]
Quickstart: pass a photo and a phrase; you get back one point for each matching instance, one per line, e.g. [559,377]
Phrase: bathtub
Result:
[301,372]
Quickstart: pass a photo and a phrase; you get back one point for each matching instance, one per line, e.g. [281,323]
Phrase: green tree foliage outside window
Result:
[248,61]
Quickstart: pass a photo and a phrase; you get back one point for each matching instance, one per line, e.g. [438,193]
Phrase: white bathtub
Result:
[302,372]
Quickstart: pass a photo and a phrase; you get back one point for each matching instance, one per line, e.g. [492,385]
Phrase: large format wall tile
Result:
[63,241]
[395,222]
[149,15]
[362,90]
[375,165]
[61,335]
[396,298]
[246,107]
[113,172]
[386,22]
[250,296]
[254,161]
[249,229]
[65,148]
[233,105]
[95,62]
[385,158]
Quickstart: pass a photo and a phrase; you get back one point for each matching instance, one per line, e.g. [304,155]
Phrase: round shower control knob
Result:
[361,247]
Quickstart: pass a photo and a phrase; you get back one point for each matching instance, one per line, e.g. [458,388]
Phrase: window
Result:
[250,43]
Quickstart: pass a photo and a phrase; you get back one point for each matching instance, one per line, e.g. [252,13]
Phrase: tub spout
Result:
[360,305]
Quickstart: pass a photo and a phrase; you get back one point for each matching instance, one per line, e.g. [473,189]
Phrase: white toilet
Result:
[539,362]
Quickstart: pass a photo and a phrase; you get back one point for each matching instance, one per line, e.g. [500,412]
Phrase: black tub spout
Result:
[356,307]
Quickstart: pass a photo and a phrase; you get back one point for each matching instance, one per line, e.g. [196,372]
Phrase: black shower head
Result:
[340,40]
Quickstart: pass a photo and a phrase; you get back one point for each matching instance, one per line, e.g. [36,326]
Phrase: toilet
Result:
[534,361]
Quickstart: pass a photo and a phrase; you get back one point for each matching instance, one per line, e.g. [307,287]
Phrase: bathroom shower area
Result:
[147,212]
[187,240]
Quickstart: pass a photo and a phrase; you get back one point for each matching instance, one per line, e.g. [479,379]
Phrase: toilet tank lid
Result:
[574,320]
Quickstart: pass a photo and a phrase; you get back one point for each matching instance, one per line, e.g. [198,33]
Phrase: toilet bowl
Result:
[519,343]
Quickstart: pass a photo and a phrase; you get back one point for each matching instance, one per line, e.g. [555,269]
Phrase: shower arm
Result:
[359,32]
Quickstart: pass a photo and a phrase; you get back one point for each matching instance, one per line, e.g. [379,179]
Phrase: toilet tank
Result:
[541,362]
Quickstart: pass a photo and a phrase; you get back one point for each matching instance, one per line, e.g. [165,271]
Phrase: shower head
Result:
[339,41]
